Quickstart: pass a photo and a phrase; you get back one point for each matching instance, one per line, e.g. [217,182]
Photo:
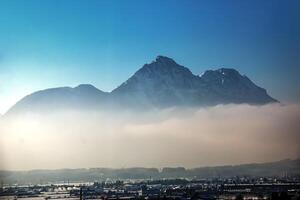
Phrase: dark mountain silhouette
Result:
[160,84]
[271,169]
[83,96]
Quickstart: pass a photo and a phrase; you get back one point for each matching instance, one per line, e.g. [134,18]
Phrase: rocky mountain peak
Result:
[162,66]
[161,83]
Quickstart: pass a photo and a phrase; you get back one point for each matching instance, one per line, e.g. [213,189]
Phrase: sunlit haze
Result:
[195,83]
[231,134]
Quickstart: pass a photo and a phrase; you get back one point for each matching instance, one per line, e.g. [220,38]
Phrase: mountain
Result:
[83,96]
[164,83]
[160,84]
[271,169]
[231,87]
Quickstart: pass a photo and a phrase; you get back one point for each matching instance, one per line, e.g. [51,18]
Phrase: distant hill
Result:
[272,169]
[160,84]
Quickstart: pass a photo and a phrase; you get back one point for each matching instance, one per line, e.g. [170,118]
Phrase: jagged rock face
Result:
[232,87]
[160,84]
[164,83]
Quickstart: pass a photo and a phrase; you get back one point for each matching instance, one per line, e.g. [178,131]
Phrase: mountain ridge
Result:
[160,84]
[265,169]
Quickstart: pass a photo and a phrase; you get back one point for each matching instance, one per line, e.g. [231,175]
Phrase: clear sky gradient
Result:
[53,43]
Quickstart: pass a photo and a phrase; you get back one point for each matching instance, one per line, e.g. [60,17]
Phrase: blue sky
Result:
[53,43]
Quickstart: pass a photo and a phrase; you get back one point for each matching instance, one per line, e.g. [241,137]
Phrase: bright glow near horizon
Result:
[220,135]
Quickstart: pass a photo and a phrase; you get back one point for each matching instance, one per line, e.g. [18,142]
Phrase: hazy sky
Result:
[67,42]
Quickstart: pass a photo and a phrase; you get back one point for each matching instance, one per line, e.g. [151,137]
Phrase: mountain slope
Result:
[232,87]
[165,83]
[160,84]
[83,96]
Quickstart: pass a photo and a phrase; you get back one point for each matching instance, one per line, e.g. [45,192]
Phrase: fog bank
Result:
[224,134]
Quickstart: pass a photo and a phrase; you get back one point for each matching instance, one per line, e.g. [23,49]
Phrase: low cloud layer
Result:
[225,134]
